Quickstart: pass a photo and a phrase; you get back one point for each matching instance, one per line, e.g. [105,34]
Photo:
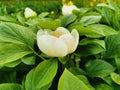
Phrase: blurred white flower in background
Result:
[57,43]
[29,13]
[68,8]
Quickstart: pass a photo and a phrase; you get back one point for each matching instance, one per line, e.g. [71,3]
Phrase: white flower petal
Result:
[46,44]
[61,30]
[67,10]
[75,34]
[29,13]
[69,40]
[60,48]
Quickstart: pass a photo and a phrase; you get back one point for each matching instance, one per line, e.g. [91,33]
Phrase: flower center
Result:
[57,35]
[70,3]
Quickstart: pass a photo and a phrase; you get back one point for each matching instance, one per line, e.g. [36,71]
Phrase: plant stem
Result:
[36,53]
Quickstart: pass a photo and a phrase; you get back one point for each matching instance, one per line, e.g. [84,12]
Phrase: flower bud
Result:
[57,43]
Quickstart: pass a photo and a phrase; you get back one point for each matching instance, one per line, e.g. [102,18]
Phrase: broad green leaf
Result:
[99,68]
[107,15]
[67,19]
[12,52]
[7,18]
[92,41]
[103,87]
[11,32]
[13,64]
[87,20]
[85,80]
[89,49]
[103,28]
[3,10]
[10,86]
[34,21]
[112,44]
[117,61]
[49,24]
[43,14]
[7,76]
[108,80]
[94,31]
[44,73]
[29,78]
[70,82]
[29,60]
[87,31]
[115,77]
[77,71]
[20,18]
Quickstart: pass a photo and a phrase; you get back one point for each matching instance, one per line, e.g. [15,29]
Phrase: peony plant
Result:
[45,52]
[29,13]
[68,8]
[57,43]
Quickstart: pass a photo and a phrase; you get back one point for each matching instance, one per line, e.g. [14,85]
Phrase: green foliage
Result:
[10,86]
[103,68]
[41,76]
[95,64]
[112,46]
[69,82]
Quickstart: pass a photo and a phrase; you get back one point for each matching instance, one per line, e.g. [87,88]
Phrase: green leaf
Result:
[12,52]
[10,86]
[30,86]
[87,32]
[8,76]
[67,19]
[94,31]
[77,71]
[13,64]
[112,43]
[85,80]
[43,14]
[117,61]
[20,18]
[49,24]
[89,49]
[103,28]
[70,82]
[29,78]
[7,18]
[103,87]
[29,60]
[115,77]
[87,20]
[92,41]
[10,32]
[44,73]
[103,68]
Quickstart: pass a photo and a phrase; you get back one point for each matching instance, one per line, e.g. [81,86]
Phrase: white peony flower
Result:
[29,13]
[57,43]
[68,8]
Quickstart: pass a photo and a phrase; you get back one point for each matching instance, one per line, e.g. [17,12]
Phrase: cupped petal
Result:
[75,34]
[60,48]
[66,10]
[29,12]
[62,30]
[46,44]
[69,40]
